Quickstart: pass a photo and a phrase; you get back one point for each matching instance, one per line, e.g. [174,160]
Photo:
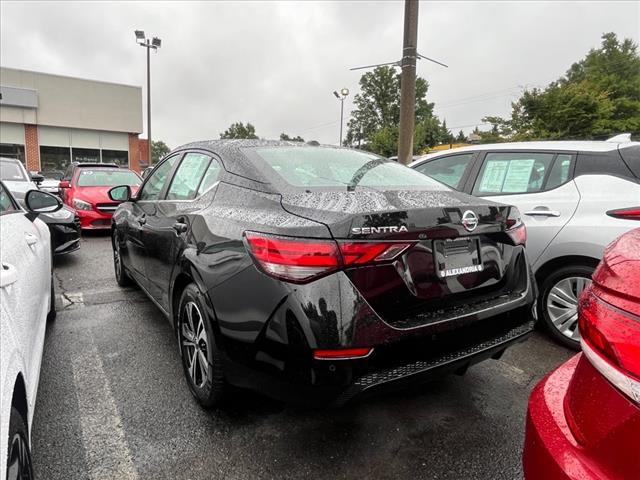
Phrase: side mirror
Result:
[38,201]
[64,184]
[121,193]
[37,178]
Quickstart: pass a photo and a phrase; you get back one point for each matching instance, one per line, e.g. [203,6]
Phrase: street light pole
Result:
[154,44]
[148,104]
[341,96]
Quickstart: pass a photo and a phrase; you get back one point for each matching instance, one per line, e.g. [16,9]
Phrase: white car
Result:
[576,197]
[26,301]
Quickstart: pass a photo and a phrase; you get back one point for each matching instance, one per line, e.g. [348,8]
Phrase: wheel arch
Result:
[19,398]
[558,262]
[186,273]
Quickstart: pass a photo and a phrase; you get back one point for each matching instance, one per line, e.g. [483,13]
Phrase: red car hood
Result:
[99,194]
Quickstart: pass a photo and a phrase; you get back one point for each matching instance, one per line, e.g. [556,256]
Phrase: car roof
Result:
[94,165]
[7,159]
[566,145]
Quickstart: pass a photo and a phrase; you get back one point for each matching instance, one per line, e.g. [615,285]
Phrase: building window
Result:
[9,150]
[54,158]
[120,157]
[85,155]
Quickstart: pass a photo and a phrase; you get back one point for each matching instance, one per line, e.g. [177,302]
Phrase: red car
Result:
[584,418]
[87,189]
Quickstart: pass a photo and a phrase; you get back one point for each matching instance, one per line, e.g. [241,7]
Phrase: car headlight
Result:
[81,204]
[61,214]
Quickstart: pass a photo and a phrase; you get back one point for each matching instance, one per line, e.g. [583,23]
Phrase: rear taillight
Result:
[611,342]
[631,213]
[301,260]
[515,227]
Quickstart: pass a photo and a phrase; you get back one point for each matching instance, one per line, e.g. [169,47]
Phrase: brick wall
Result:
[143,143]
[32,147]
[134,152]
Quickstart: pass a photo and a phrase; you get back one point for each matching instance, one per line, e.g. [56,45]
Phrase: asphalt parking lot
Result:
[113,404]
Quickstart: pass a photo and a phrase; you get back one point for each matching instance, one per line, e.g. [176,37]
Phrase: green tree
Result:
[239,130]
[376,116]
[158,150]
[284,136]
[598,96]
[461,137]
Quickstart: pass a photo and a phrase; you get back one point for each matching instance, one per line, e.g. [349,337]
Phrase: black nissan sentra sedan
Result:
[316,274]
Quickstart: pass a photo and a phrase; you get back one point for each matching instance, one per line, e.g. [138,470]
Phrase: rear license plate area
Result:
[458,256]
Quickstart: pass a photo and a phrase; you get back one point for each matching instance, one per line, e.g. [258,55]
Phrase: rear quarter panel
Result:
[590,229]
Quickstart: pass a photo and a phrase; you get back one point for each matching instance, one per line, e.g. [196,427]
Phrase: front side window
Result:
[106,177]
[186,180]
[6,204]
[448,170]
[309,167]
[519,172]
[154,184]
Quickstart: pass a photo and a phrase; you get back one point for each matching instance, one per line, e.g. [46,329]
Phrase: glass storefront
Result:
[116,156]
[9,150]
[54,158]
[85,155]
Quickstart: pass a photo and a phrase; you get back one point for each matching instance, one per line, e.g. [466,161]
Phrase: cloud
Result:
[275,64]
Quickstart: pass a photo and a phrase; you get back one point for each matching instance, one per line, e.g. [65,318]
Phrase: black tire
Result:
[205,379]
[552,280]
[19,465]
[51,316]
[122,278]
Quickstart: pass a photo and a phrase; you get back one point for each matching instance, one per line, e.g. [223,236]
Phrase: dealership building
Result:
[48,121]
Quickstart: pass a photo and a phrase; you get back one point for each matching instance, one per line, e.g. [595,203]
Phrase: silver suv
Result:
[575,197]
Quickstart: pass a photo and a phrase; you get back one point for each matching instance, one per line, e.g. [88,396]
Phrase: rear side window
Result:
[448,170]
[508,173]
[187,178]
[631,157]
[559,172]
[309,167]
[211,177]
[602,163]
[154,184]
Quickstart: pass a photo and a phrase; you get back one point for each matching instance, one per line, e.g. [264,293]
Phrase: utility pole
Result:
[408,82]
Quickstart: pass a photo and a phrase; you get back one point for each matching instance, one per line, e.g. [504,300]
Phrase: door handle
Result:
[542,213]
[31,239]
[8,275]
[180,227]
[142,219]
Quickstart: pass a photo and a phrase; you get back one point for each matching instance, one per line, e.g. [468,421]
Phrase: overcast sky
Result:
[276,64]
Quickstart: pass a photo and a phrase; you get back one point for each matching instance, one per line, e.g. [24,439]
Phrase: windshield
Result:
[12,172]
[330,167]
[104,177]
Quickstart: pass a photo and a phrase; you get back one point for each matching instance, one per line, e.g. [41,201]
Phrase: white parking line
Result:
[107,454]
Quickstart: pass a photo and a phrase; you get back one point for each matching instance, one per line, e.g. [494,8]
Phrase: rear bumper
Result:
[94,220]
[65,238]
[550,450]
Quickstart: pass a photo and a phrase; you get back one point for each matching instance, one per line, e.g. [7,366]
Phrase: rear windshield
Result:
[12,172]
[107,178]
[309,167]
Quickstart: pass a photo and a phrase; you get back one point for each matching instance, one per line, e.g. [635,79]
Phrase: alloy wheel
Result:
[195,344]
[117,262]
[19,461]
[562,305]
